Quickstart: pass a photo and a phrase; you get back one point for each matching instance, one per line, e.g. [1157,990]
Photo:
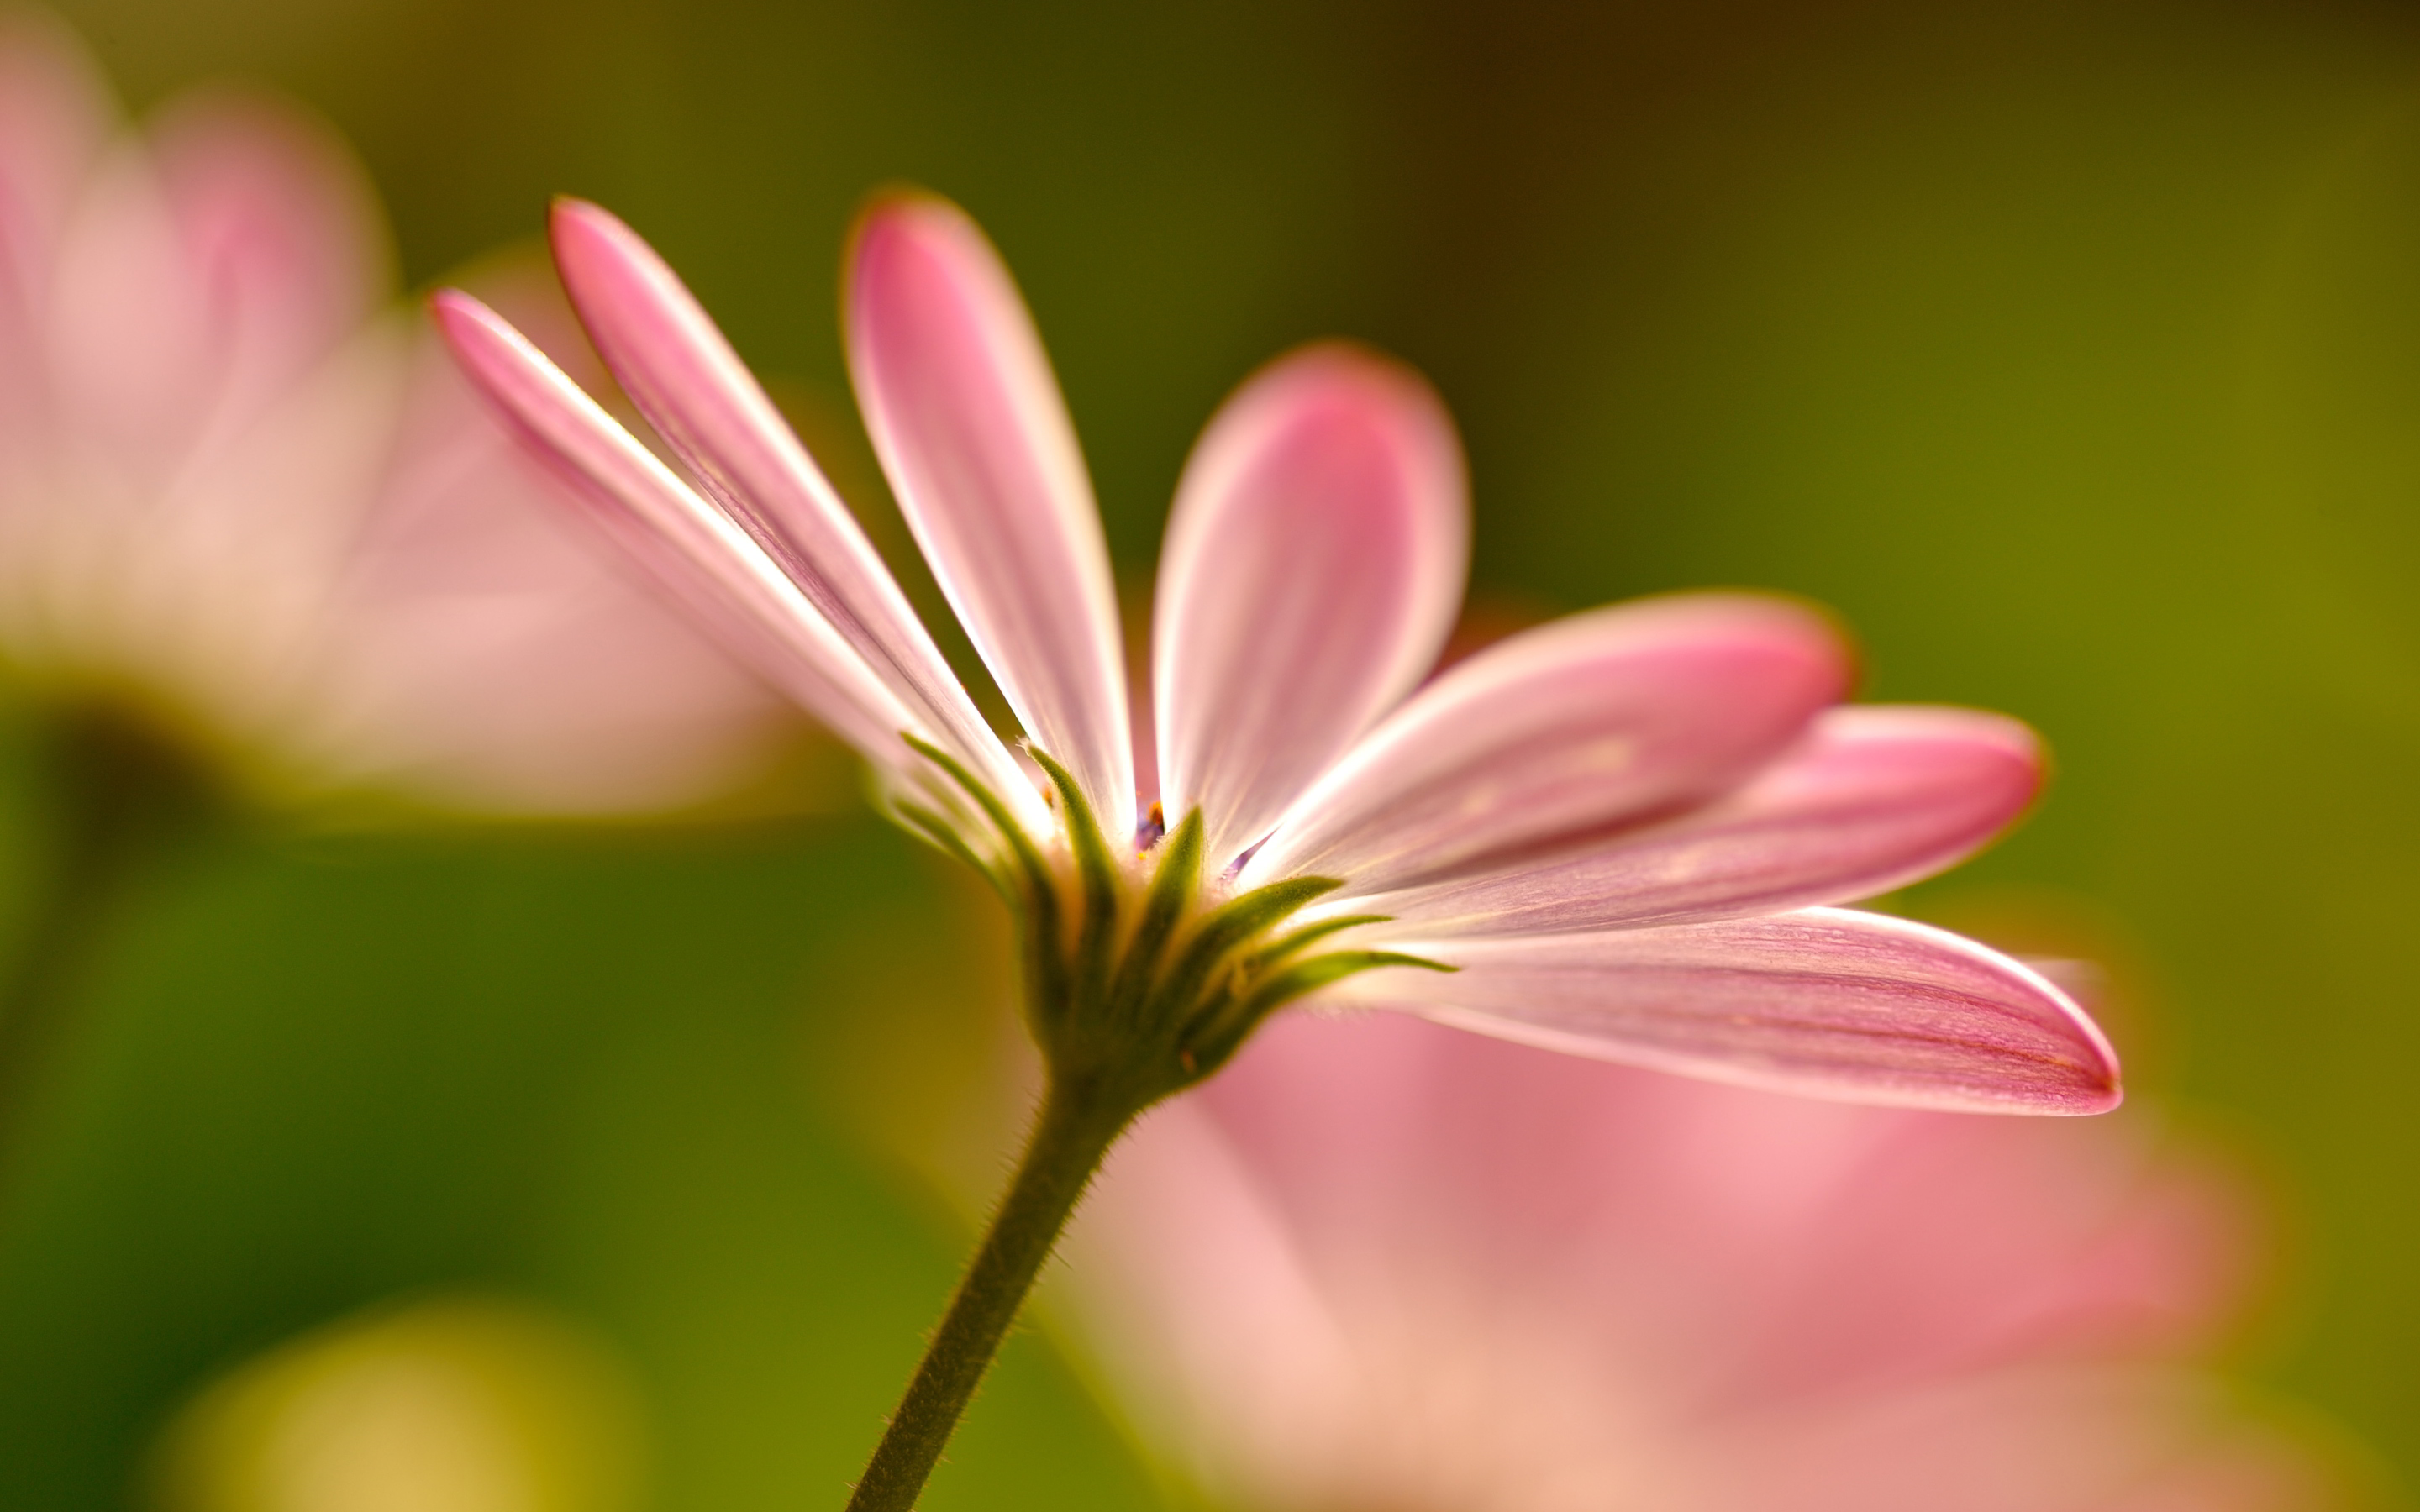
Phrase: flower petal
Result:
[694,547]
[1311,573]
[198,279]
[1823,1002]
[1878,797]
[54,116]
[668,357]
[963,411]
[281,231]
[1593,720]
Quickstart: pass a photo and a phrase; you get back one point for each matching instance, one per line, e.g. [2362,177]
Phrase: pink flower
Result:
[1375,1265]
[1622,833]
[236,496]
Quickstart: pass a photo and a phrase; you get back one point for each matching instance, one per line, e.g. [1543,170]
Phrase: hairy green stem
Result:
[1136,989]
[1072,1131]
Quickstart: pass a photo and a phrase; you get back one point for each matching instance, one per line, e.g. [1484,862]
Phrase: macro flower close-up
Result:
[1619,833]
[1464,758]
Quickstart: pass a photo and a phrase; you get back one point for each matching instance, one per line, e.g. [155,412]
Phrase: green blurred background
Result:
[2071,350]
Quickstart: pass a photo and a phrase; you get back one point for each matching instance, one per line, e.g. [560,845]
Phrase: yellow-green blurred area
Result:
[2070,350]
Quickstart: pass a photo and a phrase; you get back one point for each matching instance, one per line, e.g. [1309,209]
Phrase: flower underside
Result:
[1141,977]
[1627,833]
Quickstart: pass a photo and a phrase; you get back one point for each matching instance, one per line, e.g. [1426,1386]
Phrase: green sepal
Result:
[1320,970]
[1302,939]
[1094,869]
[1226,1033]
[1084,831]
[1172,887]
[1228,926]
[930,824]
[1029,858]
[1161,1002]
[1041,900]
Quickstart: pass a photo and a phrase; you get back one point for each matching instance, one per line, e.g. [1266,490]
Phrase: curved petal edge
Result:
[689,546]
[1597,720]
[676,364]
[967,421]
[1312,570]
[1879,796]
[1823,1002]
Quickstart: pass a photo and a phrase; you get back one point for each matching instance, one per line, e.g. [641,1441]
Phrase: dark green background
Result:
[2071,350]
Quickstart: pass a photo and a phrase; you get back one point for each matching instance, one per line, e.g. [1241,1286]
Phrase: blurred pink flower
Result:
[235,495]
[1377,1265]
[1619,828]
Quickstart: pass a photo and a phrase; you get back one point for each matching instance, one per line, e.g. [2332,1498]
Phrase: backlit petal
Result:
[676,365]
[691,546]
[1592,721]
[1878,797]
[1823,1002]
[1312,570]
[967,418]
